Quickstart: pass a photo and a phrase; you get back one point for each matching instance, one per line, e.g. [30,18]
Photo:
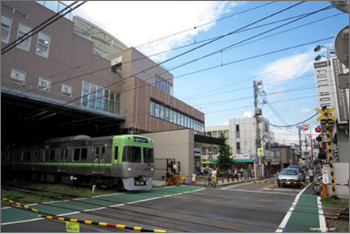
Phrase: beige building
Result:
[77,79]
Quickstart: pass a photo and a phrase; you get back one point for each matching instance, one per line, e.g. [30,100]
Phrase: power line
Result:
[191,50]
[39,28]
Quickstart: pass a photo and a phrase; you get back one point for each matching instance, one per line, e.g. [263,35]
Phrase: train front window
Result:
[132,154]
[148,156]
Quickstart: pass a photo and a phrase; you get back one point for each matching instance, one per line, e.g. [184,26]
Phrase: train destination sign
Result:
[141,139]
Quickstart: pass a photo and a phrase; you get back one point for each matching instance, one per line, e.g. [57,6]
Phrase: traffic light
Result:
[319,138]
[318,129]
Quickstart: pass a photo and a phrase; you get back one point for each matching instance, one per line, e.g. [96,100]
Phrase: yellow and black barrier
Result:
[340,184]
[111,225]
[103,224]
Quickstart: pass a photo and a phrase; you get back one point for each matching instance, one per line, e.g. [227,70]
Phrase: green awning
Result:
[240,160]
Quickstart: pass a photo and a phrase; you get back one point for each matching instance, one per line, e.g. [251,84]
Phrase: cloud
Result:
[137,23]
[282,69]
[305,110]
[248,114]
[225,123]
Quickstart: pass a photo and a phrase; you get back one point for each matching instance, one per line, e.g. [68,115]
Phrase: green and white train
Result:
[125,161]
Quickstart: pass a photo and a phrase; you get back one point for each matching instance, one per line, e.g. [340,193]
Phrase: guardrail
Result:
[89,222]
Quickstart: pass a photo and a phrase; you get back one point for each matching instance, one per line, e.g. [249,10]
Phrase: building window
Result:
[6,23]
[66,90]
[238,146]
[152,109]
[22,30]
[96,97]
[18,76]
[43,45]
[226,134]
[164,85]
[44,83]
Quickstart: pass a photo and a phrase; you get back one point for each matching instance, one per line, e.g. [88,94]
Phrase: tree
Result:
[224,160]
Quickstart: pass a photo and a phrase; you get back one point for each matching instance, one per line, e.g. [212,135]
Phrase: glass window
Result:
[148,156]
[157,110]
[226,134]
[22,30]
[171,116]
[76,154]
[166,114]
[6,23]
[116,153]
[43,45]
[44,83]
[152,109]
[162,112]
[52,155]
[83,156]
[132,154]
[103,154]
[66,90]
[18,76]
[237,127]
[215,134]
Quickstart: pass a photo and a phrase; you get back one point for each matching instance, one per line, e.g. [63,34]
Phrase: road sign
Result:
[326,111]
[305,127]
[341,45]
[330,122]
[260,152]
[72,227]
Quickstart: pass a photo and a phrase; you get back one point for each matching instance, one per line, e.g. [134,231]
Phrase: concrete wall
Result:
[175,144]
[343,146]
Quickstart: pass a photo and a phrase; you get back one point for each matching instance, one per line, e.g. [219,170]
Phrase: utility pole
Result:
[300,142]
[257,113]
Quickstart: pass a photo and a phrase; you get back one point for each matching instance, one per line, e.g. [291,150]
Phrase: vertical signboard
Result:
[325,85]
[342,95]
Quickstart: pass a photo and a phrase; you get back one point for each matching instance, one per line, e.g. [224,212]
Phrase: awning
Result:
[240,160]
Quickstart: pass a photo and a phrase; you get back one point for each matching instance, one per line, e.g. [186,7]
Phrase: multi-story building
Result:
[80,79]
[241,135]
[74,78]
[283,156]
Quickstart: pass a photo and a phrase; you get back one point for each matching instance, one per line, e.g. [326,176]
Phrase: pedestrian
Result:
[311,175]
[213,175]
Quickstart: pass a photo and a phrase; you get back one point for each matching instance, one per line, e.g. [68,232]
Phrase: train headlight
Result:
[129,169]
[152,169]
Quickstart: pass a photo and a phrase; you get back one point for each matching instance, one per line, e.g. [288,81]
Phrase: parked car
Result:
[289,175]
[300,170]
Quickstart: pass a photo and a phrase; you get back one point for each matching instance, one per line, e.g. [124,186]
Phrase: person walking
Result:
[311,175]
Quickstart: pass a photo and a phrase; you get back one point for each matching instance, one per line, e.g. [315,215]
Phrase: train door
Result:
[99,159]
[62,162]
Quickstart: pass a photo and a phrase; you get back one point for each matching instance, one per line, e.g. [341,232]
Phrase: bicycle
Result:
[210,182]
[317,185]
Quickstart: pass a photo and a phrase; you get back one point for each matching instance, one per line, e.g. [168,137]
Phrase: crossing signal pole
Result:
[326,115]
[257,114]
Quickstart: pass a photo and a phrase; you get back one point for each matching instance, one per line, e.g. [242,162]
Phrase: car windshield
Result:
[289,172]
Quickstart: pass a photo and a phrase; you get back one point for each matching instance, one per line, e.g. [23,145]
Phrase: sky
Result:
[226,91]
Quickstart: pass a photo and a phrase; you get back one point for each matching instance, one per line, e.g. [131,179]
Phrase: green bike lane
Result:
[67,207]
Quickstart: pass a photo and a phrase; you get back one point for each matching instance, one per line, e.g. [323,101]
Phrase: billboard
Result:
[342,95]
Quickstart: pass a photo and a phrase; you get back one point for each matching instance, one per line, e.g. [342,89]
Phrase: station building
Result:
[74,78]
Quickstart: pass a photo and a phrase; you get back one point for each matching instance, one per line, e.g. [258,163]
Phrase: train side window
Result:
[65,158]
[76,154]
[83,154]
[21,156]
[103,154]
[38,155]
[62,155]
[116,153]
[52,155]
[97,152]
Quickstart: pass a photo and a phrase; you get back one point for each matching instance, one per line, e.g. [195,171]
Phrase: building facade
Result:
[80,79]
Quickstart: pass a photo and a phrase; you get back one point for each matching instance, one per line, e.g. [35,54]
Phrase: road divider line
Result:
[290,211]
[123,204]
[237,185]
[250,191]
[322,219]
[149,199]
[23,221]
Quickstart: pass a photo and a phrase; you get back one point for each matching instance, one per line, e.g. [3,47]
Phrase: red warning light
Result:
[318,129]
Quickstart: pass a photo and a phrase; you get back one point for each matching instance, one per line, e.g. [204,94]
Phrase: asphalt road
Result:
[245,207]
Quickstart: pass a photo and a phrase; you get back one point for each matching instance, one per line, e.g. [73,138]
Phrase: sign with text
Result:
[72,227]
[260,152]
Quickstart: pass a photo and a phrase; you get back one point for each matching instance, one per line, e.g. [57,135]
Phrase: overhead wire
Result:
[191,50]
[38,29]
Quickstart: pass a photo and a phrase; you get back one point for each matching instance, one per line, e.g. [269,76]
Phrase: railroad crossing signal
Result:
[326,112]
[260,152]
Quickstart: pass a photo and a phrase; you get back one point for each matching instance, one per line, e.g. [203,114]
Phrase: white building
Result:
[241,134]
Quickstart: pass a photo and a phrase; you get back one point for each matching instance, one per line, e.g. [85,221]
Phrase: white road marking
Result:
[250,191]
[237,185]
[117,205]
[168,196]
[322,219]
[78,199]
[277,189]
[100,208]
[23,221]
[107,195]
[289,213]
[154,198]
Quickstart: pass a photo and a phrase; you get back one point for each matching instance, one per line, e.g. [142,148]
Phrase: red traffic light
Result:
[318,129]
